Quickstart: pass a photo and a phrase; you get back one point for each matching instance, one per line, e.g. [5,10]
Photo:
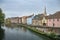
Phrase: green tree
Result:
[2,16]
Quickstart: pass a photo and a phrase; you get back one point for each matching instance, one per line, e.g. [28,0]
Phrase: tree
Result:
[2,16]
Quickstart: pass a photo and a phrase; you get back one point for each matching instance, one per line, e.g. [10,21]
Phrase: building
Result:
[54,20]
[14,20]
[37,19]
[24,20]
[20,20]
[40,19]
[36,22]
[29,19]
[7,21]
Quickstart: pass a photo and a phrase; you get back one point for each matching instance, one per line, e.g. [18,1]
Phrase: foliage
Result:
[7,22]
[52,34]
[2,16]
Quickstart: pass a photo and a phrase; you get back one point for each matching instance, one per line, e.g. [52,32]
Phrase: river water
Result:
[21,33]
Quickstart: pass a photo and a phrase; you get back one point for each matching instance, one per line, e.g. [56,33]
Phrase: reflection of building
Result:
[54,19]
[24,29]
[40,19]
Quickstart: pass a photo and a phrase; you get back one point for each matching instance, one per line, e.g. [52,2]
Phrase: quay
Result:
[52,35]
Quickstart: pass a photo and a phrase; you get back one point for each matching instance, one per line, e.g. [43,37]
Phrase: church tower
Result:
[45,13]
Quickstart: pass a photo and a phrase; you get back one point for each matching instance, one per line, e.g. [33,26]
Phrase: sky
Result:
[18,8]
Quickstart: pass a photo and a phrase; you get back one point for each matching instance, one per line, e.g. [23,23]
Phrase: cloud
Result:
[27,7]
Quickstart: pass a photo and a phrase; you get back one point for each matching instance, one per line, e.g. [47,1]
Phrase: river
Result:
[20,33]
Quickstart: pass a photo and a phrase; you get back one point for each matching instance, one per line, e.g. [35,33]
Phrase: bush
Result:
[52,34]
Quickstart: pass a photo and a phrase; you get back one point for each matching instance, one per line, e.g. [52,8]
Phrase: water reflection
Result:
[24,29]
[20,33]
[1,34]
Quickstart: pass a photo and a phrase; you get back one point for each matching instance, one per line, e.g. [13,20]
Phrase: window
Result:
[57,19]
[53,19]
[49,19]
[53,24]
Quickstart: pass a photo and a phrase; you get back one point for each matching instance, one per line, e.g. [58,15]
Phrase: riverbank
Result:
[52,36]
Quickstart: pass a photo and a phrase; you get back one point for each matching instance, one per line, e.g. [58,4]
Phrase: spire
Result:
[45,8]
[45,11]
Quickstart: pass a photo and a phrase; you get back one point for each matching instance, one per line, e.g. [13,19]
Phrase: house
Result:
[29,19]
[36,22]
[24,20]
[54,20]
[40,19]
[20,20]
[14,20]
[7,21]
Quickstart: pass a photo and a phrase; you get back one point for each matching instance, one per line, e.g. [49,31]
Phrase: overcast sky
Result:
[13,8]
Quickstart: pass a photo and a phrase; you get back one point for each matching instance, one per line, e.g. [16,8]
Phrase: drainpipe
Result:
[53,24]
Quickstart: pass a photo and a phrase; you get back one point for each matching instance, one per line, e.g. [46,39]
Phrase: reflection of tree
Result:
[1,34]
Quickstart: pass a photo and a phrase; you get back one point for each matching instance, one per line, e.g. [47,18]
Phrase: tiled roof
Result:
[55,15]
[39,17]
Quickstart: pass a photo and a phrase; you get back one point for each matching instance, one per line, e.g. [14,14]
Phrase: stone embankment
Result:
[52,35]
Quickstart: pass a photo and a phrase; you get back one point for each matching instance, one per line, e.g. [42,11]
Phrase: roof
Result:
[55,15]
[39,17]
